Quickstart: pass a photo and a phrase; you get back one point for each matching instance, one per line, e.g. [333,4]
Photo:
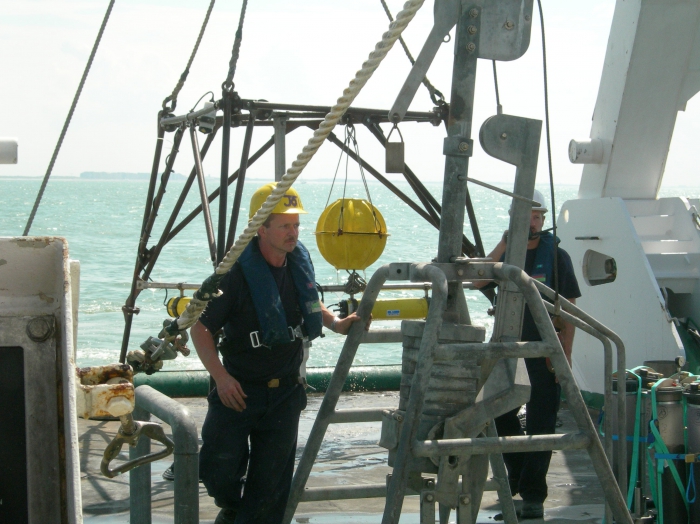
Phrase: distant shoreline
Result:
[176,177]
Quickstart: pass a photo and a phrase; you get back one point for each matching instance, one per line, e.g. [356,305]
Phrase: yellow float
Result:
[176,306]
[351,234]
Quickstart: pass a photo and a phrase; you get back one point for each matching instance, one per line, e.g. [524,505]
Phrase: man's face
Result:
[282,233]
[536,223]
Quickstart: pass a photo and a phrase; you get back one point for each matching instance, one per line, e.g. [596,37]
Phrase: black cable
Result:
[549,160]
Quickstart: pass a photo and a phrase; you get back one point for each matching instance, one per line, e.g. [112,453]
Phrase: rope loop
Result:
[169,109]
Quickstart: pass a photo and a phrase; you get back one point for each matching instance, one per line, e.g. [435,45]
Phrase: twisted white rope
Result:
[195,307]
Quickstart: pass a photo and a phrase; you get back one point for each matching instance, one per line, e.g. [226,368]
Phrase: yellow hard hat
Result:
[290,203]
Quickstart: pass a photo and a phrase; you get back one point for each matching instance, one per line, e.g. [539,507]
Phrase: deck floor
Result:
[349,456]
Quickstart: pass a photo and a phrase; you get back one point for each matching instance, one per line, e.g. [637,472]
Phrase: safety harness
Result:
[267,300]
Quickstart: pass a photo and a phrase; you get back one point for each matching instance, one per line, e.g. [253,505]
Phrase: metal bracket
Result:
[150,430]
[457,146]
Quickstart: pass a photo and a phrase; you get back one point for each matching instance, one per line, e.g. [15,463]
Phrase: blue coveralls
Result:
[258,443]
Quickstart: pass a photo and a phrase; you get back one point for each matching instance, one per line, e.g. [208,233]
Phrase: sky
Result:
[302,52]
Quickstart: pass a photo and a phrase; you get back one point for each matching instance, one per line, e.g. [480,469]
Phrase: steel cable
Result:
[183,76]
[549,160]
[68,119]
[208,290]
[435,95]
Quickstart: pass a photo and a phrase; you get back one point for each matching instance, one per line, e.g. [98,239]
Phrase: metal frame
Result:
[586,438]
[284,118]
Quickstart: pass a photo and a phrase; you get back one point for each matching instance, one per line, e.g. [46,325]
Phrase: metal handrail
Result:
[184,429]
[527,286]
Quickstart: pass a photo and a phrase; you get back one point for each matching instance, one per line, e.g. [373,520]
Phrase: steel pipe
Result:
[140,477]
[488,445]
[364,491]
[349,416]
[243,168]
[184,429]
[182,286]
[203,195]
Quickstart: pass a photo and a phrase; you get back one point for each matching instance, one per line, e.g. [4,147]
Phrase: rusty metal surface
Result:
[105,391]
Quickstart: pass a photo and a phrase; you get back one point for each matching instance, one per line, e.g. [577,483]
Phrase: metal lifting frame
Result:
[284,118]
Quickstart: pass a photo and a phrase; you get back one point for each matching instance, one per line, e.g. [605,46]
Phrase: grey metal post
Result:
[457,148]
[203,194]
[279,121]
[568,384]
[140,478]
[499,472]
[419,386]
[514,140]
[181,421]
[326,411]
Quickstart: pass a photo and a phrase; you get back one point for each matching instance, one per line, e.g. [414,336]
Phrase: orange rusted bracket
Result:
[129,433]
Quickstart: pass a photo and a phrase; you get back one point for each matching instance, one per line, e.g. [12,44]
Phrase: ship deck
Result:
[349,456]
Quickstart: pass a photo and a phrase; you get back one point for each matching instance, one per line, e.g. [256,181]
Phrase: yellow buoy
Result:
[176,306]
[351,234]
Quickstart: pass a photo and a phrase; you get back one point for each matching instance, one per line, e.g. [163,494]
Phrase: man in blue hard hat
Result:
[269,303]
[527,472]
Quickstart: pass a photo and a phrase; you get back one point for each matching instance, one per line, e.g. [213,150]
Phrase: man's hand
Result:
[230,392]
[343,325]
[229,389]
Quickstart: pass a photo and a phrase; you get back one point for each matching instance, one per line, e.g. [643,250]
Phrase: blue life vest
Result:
[266,296]
[543,267]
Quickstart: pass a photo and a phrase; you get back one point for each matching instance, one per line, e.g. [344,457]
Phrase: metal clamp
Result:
[130,433]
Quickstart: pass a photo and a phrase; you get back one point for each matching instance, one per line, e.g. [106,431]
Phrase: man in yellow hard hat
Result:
[269,303]
[527,472]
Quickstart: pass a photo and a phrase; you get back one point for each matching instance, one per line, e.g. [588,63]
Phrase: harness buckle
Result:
[295,332]
[255,339]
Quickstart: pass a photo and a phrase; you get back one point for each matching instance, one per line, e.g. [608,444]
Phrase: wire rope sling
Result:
[351,234]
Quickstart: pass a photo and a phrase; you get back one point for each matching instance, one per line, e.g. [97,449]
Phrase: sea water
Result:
[101,221]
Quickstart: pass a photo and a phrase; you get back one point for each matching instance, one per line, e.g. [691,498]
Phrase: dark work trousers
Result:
[258,443]
[527,472]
